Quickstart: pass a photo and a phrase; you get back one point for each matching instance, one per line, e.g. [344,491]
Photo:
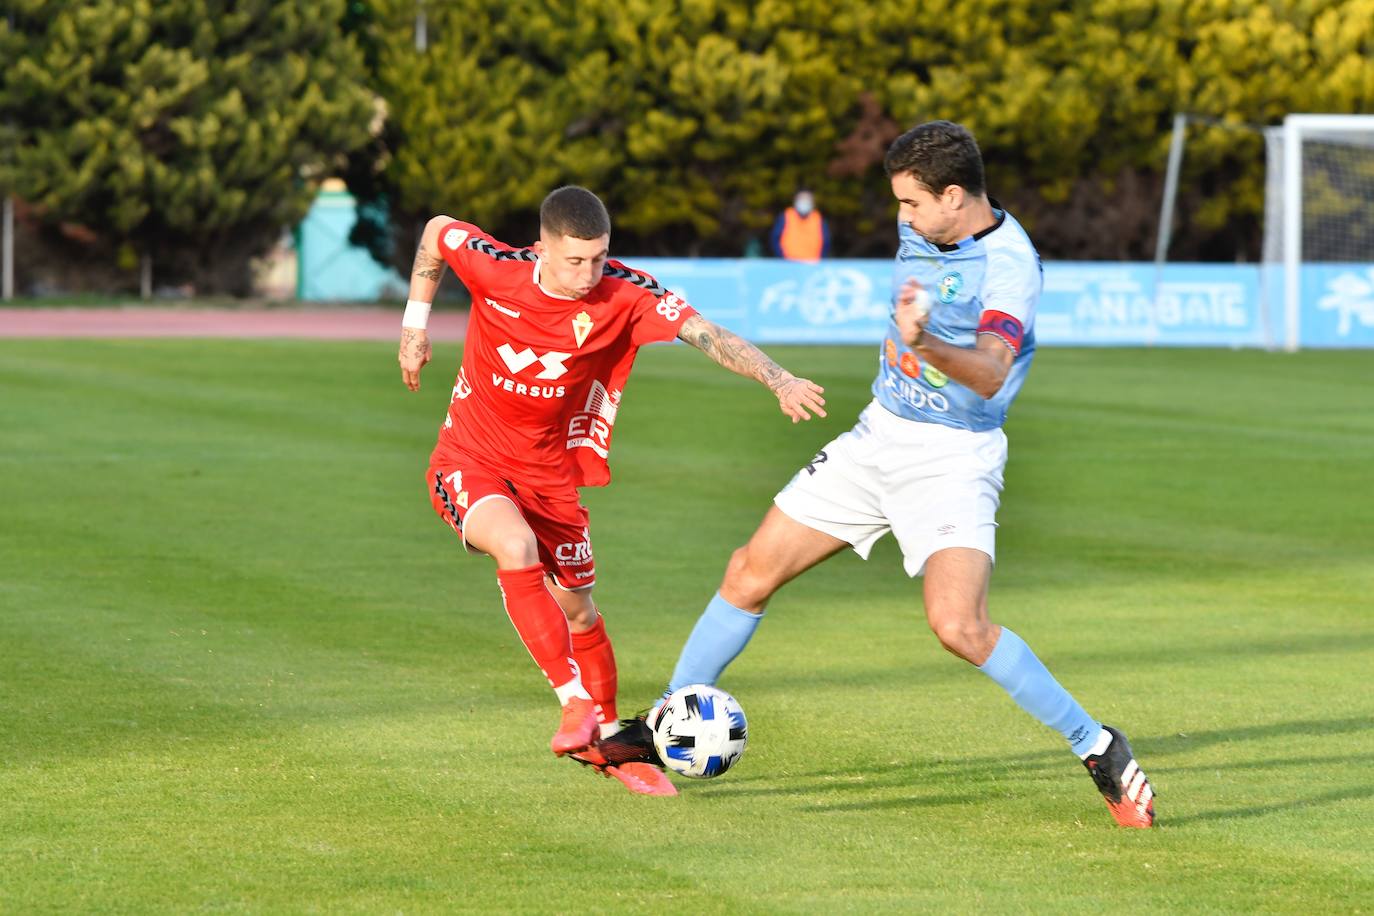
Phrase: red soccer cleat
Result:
[1123,785]
[578,728]
[642,778]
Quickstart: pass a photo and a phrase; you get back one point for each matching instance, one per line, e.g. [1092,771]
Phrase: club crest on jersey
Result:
[949,286]
[582,326]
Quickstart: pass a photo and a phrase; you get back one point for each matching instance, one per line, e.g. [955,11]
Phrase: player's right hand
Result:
[912,311]
[414,353]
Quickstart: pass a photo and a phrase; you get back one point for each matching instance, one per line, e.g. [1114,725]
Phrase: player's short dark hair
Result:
[575,212]
[938,154]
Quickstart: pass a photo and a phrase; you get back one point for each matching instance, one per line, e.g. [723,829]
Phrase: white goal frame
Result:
[1283,217]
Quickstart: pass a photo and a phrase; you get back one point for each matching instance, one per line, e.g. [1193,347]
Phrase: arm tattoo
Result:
[733,352]
[427,266]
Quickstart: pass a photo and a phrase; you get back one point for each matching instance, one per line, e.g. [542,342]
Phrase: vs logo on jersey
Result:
[551,361]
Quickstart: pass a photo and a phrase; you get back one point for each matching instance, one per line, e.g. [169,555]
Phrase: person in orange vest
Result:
[801,232]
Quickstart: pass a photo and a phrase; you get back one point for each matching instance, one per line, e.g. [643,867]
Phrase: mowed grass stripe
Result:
[247,669]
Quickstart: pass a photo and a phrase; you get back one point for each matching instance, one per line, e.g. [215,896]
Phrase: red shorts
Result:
[559,522]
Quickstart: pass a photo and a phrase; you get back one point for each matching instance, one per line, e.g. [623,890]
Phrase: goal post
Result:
[1319,185]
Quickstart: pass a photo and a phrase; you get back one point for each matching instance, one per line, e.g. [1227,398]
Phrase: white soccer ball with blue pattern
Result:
[699,731]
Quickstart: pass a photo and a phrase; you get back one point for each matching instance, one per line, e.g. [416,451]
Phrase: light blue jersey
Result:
[988,283]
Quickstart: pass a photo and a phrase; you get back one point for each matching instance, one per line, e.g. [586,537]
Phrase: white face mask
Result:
[804,204]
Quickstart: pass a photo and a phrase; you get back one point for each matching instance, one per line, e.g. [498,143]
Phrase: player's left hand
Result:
[796,396]
[912,312]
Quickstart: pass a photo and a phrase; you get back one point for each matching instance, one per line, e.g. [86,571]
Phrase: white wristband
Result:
[417,314]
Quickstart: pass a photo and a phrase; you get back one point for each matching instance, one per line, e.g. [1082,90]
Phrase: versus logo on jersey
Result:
[582,326]
[553,368]
[551,361]
[949,286]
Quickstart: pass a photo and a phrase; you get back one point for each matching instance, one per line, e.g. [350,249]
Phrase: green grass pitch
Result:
[243,667]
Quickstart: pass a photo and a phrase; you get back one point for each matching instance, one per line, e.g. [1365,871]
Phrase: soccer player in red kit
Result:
[551,338]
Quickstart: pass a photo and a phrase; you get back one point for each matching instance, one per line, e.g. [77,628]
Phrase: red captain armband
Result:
[1004,327]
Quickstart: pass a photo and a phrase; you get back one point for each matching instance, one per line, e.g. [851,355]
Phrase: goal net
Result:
[1319,230]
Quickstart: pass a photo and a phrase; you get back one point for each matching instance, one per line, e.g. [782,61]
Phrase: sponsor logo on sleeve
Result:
[454,238]
[670,306]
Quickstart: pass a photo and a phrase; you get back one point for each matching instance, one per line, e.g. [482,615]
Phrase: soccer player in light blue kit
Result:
[924,460]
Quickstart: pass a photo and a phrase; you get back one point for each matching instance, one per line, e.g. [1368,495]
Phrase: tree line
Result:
[196,131]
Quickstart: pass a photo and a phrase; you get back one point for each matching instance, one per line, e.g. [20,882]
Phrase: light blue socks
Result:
[721,633]
[1016,669]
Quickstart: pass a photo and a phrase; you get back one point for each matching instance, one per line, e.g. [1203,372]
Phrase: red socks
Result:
[596,660]
[541,624]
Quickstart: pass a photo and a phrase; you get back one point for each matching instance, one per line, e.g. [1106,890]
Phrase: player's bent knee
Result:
[971,640]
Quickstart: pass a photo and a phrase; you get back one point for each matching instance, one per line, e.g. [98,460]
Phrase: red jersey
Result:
[542,376]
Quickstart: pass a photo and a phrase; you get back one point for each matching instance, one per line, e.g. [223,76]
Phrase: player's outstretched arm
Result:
[983,368]
[425,275]
[796,396]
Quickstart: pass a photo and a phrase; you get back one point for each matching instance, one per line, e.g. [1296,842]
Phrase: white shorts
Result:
[932,486]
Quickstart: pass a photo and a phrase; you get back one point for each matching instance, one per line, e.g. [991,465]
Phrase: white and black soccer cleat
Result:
[1122,783]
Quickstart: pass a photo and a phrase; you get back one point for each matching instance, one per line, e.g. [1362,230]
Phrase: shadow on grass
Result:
[1295,804]
[1186,742]
[1208,650]
[987,777]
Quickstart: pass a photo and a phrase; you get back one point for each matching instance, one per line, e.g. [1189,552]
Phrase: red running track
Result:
[314,324]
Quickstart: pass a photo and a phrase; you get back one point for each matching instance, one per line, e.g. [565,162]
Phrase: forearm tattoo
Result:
[733,352]
[427,266]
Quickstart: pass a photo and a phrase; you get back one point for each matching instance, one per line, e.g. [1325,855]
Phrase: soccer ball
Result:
[699,731]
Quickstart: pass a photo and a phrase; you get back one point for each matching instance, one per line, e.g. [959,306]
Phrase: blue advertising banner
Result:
[1085,303]
[1096,303]
[1338,305]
